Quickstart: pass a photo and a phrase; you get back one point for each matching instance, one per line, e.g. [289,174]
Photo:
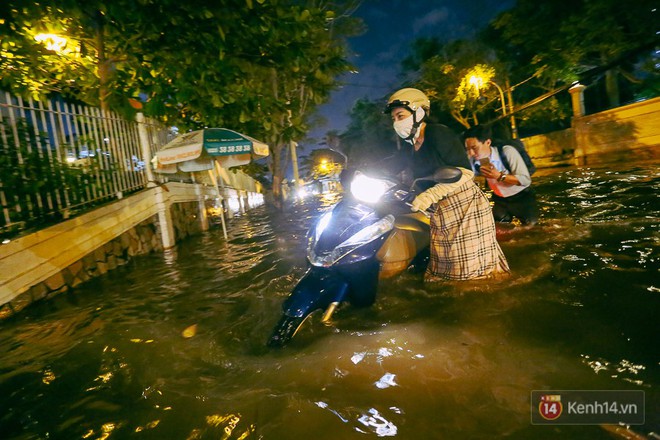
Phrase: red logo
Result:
[550,406]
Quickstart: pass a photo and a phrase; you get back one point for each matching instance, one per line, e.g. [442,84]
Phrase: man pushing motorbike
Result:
[463,242]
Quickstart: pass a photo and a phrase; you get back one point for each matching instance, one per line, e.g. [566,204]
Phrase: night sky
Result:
[392,27]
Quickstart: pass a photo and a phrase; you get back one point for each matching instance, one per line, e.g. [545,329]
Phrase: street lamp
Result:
[58,44]
[477,82]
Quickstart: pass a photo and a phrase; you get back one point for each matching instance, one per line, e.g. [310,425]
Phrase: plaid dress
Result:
[463,243]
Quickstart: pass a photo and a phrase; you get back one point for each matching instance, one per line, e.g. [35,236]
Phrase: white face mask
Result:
[405,126]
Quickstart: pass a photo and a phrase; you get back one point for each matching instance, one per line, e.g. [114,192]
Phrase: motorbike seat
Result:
[412,222]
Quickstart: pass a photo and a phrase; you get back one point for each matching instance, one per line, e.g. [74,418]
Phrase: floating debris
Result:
[189,332]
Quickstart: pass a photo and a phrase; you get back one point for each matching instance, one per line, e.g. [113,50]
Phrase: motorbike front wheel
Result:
[288,327]
[285,329]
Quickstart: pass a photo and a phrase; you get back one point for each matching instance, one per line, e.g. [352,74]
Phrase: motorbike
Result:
[370,235]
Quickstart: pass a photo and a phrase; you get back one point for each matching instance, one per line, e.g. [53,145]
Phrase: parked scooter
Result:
[371,234]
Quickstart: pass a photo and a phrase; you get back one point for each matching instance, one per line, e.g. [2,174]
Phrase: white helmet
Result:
[410,99]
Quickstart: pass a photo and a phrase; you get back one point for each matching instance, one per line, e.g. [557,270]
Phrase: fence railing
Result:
[57,158]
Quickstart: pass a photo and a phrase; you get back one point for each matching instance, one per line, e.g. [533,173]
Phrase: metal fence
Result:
[57,158]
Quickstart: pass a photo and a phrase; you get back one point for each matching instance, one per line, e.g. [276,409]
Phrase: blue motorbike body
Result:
[320,287]
[353,278]
[352,247]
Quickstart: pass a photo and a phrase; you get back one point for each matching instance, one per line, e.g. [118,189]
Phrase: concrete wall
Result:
[552,149]
[55,259]
[615,134]
[141,239]
[609,136]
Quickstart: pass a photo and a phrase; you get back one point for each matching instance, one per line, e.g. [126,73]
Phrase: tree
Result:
[536,49]
[558,41]
[97,59]
[369,136]
[294,71]
[443,74]
[260,67]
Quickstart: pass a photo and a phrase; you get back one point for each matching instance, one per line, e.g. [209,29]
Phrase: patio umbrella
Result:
[196,150]
[200,151]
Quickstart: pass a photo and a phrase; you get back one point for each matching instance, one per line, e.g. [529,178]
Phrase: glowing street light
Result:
[56,43]
[52,42]
[478,82]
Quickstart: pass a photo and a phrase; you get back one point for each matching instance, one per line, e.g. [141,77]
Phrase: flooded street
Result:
[172,346]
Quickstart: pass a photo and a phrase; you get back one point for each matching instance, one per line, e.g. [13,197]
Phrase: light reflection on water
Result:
[117,359]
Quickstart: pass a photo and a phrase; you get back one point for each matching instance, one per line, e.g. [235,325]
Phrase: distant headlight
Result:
[369,189]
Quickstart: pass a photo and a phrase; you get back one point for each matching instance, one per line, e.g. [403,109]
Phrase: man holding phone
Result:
[512,192]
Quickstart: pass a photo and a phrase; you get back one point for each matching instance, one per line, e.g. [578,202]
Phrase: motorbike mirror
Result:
[447,175]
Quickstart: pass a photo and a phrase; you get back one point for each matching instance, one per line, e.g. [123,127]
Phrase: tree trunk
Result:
[612,87]
[102,60]
[278,176]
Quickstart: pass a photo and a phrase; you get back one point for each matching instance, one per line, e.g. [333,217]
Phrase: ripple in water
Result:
[112,359]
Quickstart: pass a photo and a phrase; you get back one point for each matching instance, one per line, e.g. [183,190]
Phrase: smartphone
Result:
[484,161]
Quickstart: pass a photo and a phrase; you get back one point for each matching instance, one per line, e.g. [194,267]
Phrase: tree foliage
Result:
[531,51]
[256,66]
[443,70]
[369,136]
[557,42]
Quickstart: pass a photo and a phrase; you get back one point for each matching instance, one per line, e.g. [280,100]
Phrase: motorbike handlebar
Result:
[426,213]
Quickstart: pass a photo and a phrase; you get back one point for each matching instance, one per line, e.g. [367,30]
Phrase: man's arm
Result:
[518,168]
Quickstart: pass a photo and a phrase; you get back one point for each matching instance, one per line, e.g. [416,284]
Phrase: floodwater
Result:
[173,345]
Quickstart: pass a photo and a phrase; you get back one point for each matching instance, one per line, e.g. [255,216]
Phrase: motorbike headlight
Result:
[358,239]
[369,189]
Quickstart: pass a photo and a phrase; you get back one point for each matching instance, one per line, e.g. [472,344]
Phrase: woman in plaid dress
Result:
[463,240]
[463,243]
